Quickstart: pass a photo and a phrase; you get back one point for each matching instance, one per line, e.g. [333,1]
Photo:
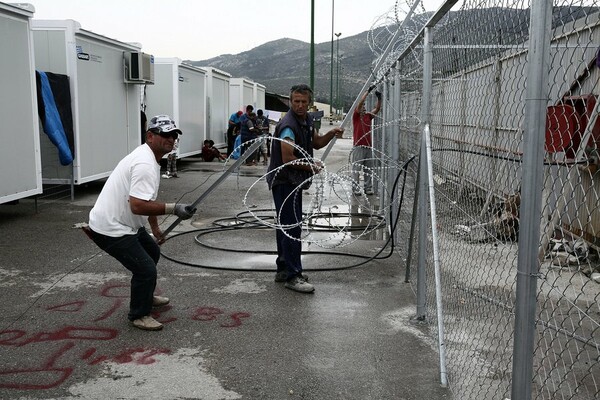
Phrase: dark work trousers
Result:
[247,141]
[289,212]
[138,253]
[230,139]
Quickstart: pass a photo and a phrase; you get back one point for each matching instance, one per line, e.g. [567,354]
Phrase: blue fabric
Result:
[52,123]
[237,145]
[288,133]
[235,118]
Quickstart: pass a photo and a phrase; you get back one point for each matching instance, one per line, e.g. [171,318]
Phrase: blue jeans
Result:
[138,253]
[289,251]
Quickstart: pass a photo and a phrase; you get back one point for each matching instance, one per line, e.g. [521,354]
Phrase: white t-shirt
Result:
[137,175]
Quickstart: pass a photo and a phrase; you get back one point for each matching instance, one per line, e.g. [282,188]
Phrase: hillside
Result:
[282,63]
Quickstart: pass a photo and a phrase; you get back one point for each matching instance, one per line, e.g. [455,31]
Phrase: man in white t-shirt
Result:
[126,202]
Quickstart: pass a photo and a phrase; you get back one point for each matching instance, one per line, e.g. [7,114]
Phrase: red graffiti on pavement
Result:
[211,314]
[116,305]
[36,378]
[52,371]
[66,333]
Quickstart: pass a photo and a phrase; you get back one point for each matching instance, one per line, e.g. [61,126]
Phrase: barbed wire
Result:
[328,190]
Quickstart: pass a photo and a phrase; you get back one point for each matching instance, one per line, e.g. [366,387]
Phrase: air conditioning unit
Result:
[139,67]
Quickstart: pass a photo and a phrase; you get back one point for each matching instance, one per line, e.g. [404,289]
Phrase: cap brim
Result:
[172,130]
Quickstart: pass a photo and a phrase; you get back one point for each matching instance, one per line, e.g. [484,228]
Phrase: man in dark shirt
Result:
[290,168]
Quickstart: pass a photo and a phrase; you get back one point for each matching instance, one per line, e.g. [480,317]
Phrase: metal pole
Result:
[383,145]
[331,73]
[413,224]
[415,210]
[426,109]
[422,251]
[395,146]
[224,175]
[337,74]
[436,261]
[536,102]
[312,44]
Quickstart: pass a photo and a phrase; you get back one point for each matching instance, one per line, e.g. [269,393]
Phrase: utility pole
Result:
[337,79]
[312,45]
[331,74]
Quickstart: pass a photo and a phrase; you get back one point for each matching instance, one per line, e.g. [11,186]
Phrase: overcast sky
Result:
[202,29]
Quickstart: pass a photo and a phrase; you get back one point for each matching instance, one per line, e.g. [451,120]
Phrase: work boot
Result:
[298,284]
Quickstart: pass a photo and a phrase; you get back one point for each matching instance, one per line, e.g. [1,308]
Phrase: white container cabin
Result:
[105,108]
[179,91]
[218,109]
[20,161]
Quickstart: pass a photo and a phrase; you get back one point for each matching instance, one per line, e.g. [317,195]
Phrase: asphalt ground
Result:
[230,332]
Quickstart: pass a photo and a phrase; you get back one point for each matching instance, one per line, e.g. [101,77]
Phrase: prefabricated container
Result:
[259,96]
[218,110]
[179,91]
[20,161]
[241,94]
[106,110]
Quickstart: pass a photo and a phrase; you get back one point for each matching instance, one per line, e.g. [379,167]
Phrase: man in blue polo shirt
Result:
[232,129]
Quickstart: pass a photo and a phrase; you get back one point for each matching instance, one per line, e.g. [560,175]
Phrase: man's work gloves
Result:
[183,211]
[377,92]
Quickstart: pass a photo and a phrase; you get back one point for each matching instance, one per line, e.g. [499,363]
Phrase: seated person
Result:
[209,152]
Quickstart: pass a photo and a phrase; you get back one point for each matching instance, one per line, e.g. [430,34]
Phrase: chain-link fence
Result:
[499,101]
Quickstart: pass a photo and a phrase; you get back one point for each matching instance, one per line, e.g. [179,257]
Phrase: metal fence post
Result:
[422,250]
[385,142]
[395,145]
[529,235]
[426,109]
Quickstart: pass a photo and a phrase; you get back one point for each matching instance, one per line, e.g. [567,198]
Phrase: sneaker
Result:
[298,284]
[281,276]
[147,323]
[369,192]
[166,176]
[356,193]
[159,301]
[174,176]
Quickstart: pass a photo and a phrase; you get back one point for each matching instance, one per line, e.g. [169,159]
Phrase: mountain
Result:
[282,63]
